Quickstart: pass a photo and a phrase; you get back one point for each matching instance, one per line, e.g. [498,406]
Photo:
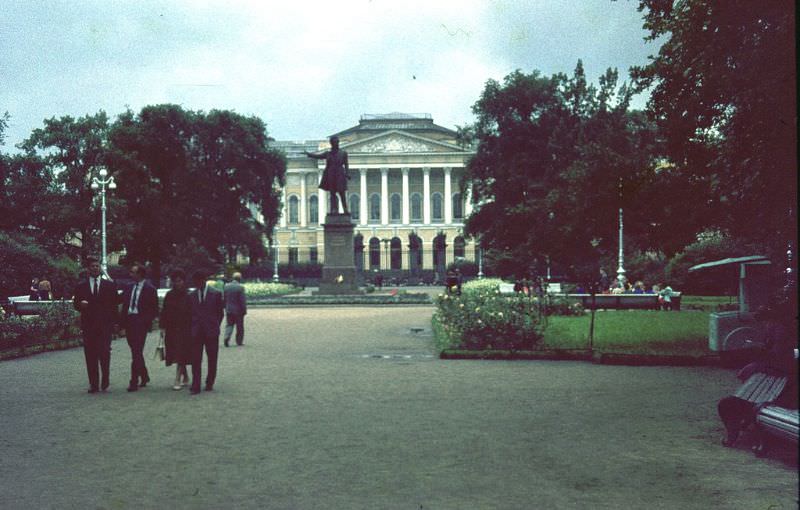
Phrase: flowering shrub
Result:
[484,285]
[485,319]
[56,322]
[565,307]
[264,289]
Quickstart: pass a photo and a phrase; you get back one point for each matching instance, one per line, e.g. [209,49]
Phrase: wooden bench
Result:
[773,421]
[738,411]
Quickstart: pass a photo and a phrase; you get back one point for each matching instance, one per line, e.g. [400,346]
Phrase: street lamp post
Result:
[275,277]
[480,262]
[101,184]
[620,269]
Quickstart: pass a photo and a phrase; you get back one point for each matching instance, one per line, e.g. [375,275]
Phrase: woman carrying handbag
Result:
[176,328]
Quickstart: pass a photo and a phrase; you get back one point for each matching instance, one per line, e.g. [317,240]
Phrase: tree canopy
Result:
[185,179]
[551,153]
[723,92]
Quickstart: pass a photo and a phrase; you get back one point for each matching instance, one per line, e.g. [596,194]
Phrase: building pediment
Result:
[398,142]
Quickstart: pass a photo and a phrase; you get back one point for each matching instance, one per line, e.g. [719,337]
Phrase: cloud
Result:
[307,68]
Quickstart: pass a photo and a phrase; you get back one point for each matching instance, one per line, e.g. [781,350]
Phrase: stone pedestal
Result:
[338,271]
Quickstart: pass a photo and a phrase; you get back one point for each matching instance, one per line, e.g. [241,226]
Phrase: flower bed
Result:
[56,322]
[483,319]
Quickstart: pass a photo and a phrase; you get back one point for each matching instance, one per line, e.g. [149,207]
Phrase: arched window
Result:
[437,207]
[375,207]
[416,207]
[396,208]
[313,209]
[458,207]
[355,206]
[374,253]
[294,210]
[396,247]
[459,247]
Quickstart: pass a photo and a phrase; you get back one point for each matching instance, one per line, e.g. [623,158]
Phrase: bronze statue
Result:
[334,178]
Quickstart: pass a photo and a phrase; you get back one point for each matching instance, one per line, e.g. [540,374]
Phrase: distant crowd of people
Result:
[190,322]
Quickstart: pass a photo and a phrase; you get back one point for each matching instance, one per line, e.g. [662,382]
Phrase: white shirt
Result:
[94,285]
[134,305]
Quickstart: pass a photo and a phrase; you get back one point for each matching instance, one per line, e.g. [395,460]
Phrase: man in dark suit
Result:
[235,309]
[97,300]
[139,308]
[207,312]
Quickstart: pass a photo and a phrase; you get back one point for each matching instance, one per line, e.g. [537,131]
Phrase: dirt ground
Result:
[347,408]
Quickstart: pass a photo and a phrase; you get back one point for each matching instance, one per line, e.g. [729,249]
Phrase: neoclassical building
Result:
[403,195]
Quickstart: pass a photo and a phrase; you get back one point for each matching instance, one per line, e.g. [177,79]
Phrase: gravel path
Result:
[316,411]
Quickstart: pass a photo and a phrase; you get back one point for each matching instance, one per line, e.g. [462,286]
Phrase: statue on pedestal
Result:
[334,178]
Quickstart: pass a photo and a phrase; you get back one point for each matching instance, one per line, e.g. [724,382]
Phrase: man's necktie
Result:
[133,296]
[94,286]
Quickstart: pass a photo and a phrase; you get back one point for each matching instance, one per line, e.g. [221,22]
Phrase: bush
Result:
[22,259]
[482,286]
[468,268]
[255,290]
[562,306]
[485,319]
[59,321]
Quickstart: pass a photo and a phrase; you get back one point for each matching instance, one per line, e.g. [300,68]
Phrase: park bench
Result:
[622,301]
[773,421]
[738,410]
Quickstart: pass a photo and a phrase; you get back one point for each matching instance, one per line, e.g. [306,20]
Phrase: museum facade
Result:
[403,194]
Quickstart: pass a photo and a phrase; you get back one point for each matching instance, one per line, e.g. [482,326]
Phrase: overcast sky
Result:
[307,68]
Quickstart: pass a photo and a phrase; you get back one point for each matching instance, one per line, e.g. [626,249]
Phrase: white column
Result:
[448,197]
[322,201]
[426,196]
[467,202]
[285,208]
[363,198]
[384,196]
[406,197]
[303,204]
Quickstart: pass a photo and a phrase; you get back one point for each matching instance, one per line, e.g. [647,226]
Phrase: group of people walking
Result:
[190,322]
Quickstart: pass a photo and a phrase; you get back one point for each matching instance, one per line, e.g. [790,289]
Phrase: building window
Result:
[355,206]
[375,207]
[396,250]
[396,208]
[374,253]
[437,207]
[294,210]
[459,247]
[313,255]
[458,207]
[416,207]
[313,209]
[292,256]
[414,253]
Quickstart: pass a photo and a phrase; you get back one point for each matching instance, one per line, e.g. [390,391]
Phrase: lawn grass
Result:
[632,331]
[708,303]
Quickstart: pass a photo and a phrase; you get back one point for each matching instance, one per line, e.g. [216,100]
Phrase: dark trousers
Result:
[97,351]
[231,320]
[136,332]
[211,345]
[737,415]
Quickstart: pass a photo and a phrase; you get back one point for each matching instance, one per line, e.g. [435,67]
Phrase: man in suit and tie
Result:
[139,308]
[235,309]
[97,300]
[207,312]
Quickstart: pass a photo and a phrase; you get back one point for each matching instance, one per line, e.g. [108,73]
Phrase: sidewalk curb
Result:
[600,358]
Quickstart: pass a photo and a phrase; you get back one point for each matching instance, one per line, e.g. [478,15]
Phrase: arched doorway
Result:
[395,253]
[375,254]
[414,254]
[439,256]
[358,252]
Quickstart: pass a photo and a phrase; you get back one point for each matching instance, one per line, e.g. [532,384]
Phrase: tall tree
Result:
[724,95]
[551,152]
[195,178]
[67,152]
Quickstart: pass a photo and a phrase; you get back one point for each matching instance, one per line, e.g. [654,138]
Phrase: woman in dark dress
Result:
[176,328]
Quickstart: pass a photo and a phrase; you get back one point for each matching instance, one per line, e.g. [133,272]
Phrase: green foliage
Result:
[59,321]
[467,267]
[22,260]
[648,267]
[710,282]
[482,319]
[563,307]
[482,286]
[723,91]
[551,152]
